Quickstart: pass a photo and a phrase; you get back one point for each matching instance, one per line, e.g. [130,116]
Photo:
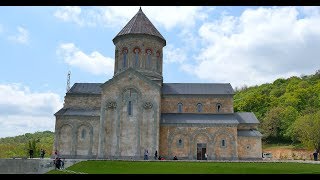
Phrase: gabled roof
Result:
[195,118]
[196,88]
[129,71]
[167,89]
[77,112]
[249,133]
[188,118]
[246,118]
[85,88]
[140,24]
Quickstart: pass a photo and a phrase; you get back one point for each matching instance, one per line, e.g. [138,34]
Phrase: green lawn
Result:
[176,167]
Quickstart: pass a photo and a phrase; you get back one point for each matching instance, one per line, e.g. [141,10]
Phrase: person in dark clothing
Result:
[156,155]
[31,153]
[42,153]
[175,158]
[57,163]
[315,155]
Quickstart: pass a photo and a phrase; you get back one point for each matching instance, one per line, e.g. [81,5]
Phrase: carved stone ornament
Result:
[112,105]
[147,105]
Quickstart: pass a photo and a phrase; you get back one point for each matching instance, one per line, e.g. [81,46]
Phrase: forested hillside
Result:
[288,109]
[19,146]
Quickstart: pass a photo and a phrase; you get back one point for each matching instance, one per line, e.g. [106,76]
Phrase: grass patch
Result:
[179,167]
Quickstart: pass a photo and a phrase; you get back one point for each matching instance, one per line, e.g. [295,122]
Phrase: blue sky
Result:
[232,44]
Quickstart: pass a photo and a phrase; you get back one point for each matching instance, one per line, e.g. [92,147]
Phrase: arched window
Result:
[180,143]
[158,61]
[219,106]
[223,143]
[136,52]
[125,52]
[83,134]
[149,58]
[180,107]
[199,107]
[129,108]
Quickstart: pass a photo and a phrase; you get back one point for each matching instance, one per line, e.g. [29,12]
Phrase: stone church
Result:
[136,111]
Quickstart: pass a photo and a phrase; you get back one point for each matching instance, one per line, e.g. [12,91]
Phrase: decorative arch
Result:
[193,144]
[181,134]
[125,58]
[65,136]
[231,143]
[158,63]
[136,52]
[84,144]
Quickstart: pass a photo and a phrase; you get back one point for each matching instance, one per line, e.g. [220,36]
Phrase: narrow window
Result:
[179,107]
[125,51]
[149,58]
[199,107]
[223,143]
[136,51]
[219,107]
[129,108]
[158,61]
[83,134]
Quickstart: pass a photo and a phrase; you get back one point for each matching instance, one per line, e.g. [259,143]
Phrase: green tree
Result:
[32,144]
[307,129]
[271,124]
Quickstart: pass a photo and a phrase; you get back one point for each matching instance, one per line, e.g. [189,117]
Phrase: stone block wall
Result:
[169,104]
[249,147]
[125,135]
[191,135]
[82,101]
[129,44]
[77,136]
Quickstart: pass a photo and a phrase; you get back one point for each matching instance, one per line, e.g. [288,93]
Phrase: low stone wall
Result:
[289,154]
[30,166]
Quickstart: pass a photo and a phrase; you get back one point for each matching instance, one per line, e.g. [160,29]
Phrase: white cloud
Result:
[94,63]
[23,111]
[22,37]
[117,16]
[259,46]
[174,55]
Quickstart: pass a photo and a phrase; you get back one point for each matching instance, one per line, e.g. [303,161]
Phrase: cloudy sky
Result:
[237,45]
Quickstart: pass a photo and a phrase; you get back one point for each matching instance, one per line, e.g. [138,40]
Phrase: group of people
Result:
[58,161]
[42,153]
[146,156]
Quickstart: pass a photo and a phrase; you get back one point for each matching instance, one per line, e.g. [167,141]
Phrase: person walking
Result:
[315,155]
[146,154]
[156,155]
[31,153]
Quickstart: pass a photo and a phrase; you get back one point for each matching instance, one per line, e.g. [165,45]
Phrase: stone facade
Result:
[123,134]
[182,142]
[76,136]
[189,103]
[135,111]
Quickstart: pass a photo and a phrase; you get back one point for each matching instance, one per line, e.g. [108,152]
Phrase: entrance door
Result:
[201,150]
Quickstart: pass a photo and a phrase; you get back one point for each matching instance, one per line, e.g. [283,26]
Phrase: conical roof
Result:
[140,24]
